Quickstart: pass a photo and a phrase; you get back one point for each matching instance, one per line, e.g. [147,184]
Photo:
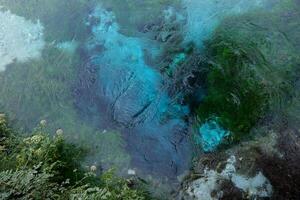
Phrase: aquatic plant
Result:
[235,94]
[30,90]
[211,135]
[252,70]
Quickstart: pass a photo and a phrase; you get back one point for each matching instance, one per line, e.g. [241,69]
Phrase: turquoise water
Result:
[204,16]
[211,135]
[98,77]
[133,93]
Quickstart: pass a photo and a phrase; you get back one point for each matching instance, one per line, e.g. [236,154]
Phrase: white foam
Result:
[20,39]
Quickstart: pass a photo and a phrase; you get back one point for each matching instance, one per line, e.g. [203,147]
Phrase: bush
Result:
[27,184]
[111,187]
[51,155]
[41,167]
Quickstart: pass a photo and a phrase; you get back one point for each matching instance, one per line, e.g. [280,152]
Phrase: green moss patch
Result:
[254,63]
[235,94]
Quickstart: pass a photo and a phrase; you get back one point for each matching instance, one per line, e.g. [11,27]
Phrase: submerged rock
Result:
[211,184]
[283,170]
[121,91]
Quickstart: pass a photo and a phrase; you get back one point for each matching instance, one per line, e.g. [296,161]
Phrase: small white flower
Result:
[43,122]
[36,139]
[59,132]
[93,168]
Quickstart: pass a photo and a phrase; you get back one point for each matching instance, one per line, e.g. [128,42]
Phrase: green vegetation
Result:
[236,95]
[40,167]
[39,89]
[254,63]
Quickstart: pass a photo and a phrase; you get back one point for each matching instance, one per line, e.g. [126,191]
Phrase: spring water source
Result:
[132,93]
[130,96]
[118,90]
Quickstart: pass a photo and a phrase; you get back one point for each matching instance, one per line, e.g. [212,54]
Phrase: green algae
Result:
[254,65]
[234,94]
[31,89]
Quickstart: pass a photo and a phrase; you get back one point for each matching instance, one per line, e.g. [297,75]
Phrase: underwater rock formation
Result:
[20,39]
[120,89]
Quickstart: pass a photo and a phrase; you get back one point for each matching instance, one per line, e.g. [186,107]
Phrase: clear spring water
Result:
[117,91]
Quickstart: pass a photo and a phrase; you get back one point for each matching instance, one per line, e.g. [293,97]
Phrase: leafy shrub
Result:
[41,167]
[27,184]
[8,143]
[52,155]
[111,187]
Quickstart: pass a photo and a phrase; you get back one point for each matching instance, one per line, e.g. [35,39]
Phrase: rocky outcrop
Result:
[212,184]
